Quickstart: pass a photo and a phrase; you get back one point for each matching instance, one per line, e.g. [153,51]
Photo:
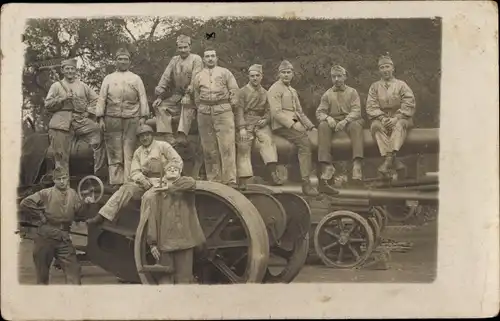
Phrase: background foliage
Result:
[311,45]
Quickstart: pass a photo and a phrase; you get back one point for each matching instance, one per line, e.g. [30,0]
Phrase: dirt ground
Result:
[416,265]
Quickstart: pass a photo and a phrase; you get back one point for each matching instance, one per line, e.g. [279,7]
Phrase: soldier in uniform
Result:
[121,108]
[56,208]
[215,92]
[390,107]
[252,121]
[178,75]
[148,165]
[70,100]
[339,110]
[290,122]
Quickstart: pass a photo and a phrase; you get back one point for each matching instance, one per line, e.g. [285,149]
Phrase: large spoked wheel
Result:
[91,186]
[237,246]
[343,239]
[402,213]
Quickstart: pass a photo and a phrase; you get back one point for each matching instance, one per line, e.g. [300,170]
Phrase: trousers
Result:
[172,108]
[389,141]
[325,134]
[50,244]
[301,141]
[120,137]
[182,262]
[262,139]
[217,135]
[85,129]
[121,197]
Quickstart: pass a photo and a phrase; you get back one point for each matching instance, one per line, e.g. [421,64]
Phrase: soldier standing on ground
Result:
[56,208]
[178,75]
[339,110]
[252,121]
[390,107]
[121,108]
[215,92]
[70,101]
[290,122]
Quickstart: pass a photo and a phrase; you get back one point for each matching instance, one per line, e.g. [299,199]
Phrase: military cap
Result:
[59,172]
[338,68]
[285,64]
[255,67]
[69,62]
[144,129]
[122,52]
[385,59]
[183,39]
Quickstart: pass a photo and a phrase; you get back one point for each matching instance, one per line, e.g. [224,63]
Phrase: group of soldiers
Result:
[231,121]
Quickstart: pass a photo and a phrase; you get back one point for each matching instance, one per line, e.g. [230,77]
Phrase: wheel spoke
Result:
[329,246]
[222,267]
[354,225]
[335,235]
[281,252]
[356,240]
[341,253]
[353,250]
[227,244]
[219,225]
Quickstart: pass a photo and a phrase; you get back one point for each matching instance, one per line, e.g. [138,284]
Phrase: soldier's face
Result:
[183,49]
[172,173]
[255,78]
[146,139]
[286,75]
[210,58]
[386,71]
[338,79]
[69,72]
[61,182]
[123,63]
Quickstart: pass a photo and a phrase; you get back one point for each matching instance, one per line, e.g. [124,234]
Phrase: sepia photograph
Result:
[229,150]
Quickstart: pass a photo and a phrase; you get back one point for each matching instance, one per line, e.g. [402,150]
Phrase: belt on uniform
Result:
[214,102]
[65,226]
[255,113]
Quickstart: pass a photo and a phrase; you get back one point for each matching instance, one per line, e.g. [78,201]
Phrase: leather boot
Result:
[308,189]
[96,220]
[357,170]
[233,185]
[275,179]
[326,188]
[181,139]
[242,183]
[386,167]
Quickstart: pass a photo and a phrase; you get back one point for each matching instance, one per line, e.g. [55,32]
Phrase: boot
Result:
[233,185]
[386,167]
[181,139]
[242,183]
[326,188]
[400,168]
[96,220]
[308,189]
[275,179]
[357,170]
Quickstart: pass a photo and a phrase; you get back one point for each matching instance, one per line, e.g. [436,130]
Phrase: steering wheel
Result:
[95,184]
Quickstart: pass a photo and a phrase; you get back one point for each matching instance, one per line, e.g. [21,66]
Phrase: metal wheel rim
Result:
[91,177]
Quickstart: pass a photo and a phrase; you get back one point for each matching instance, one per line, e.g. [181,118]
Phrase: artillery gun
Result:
[262,234]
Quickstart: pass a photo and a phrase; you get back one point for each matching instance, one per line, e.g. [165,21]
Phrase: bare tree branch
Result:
[153,28]
[129,32]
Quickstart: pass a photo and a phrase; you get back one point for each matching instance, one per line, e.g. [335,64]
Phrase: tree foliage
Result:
[312,46]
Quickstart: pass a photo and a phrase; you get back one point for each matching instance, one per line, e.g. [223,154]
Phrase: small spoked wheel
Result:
[402,213]
[91,186]
[343,239]
[381,216]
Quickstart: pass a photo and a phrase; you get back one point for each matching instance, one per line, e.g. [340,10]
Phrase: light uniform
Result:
[253,106]
[148,163]
[70,119]
[215,92]
[122,101]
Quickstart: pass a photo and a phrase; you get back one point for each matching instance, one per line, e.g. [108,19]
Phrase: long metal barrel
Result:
[408,182]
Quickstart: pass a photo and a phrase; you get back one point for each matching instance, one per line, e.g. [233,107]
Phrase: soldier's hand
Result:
[142,121]
[102,124]
[261,123]
[391,122]
[157,102]
[89,200]
[331,122]
[155,252]
[147,184]
[341,125]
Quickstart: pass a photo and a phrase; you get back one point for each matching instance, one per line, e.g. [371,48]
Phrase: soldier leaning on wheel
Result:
[339,110]
[173,226]
[56,207]
[148,163]
[390,106]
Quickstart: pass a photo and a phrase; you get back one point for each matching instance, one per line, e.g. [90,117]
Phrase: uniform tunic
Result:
[215,92]
[392,98]
[60,208]
[122,101]
[147,164]
[70,119]
[253,106]
[179,76]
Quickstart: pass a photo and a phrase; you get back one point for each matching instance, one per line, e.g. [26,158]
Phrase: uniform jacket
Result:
[340,103]
[251,102]
[215,90]
[391,98]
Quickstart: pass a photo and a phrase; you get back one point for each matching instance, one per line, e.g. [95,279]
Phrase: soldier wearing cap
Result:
[121,108]
[56,208]
[252,120]
[339,110]
[390,107]
[149,163]
[215,93]
[178,76]
[71,100]
[289,121]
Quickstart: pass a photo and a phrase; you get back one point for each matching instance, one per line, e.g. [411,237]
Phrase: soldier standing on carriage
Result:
[179,75]
[390,107]
[215,91]
[121,108]
[56,208]
[290,122]
[148,164]
[339,110]
[70,100]
[252,121]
